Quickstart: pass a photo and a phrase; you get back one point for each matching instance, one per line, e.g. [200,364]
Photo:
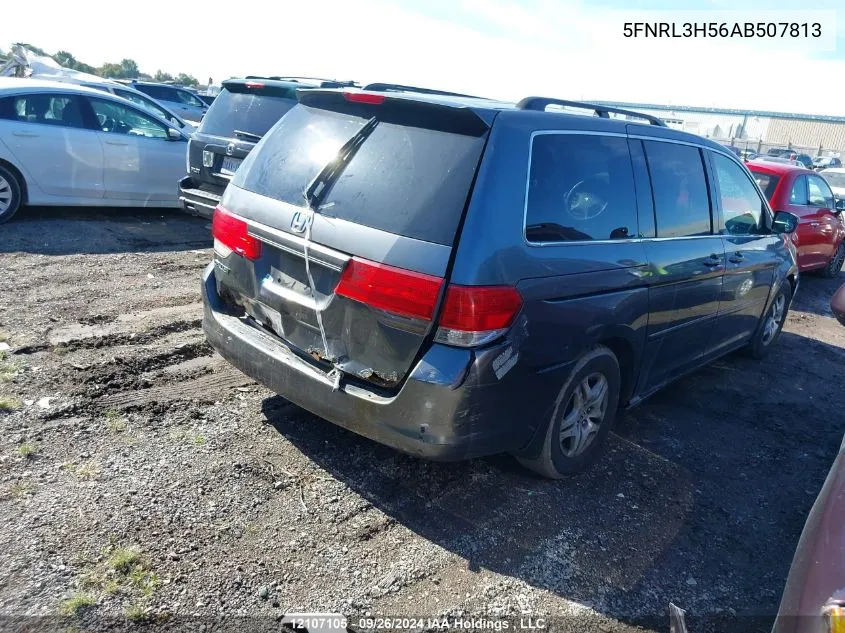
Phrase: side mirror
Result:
[840,206]
[173,134]
[784,222]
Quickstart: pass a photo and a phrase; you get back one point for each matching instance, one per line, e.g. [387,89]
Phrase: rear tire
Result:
[10,194]
[835,264]
[769,329]
[584,411]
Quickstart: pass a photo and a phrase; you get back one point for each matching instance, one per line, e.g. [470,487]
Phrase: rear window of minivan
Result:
[238,107]
[406,180]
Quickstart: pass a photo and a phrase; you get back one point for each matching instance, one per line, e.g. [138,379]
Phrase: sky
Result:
[505,49]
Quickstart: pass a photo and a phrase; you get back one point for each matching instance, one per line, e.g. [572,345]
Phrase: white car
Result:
[180,100]
[148,103]
[62,144]
[835,177]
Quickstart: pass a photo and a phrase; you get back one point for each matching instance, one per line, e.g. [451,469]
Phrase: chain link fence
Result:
[761,147]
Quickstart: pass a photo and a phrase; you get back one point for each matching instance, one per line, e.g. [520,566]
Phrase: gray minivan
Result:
[459,277]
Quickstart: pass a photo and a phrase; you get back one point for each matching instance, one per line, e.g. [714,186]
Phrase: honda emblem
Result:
[299,222]
[230,149]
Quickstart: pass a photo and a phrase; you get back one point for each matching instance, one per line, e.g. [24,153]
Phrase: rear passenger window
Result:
[681,202]
[581,187]
[742,206]
[798,193]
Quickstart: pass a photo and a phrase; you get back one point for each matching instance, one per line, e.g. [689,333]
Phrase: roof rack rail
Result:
[540,103]
[332,83]
[382,87]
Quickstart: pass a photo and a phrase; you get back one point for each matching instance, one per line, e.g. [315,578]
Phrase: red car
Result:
[820,235]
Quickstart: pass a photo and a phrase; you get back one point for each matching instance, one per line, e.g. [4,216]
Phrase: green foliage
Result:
[186,80]
[78,602]
[125,69]
[69,61]
[129,68]
[30,47]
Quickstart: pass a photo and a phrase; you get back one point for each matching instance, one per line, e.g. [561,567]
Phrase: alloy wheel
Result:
[5,195]
[584,414]
[773,321]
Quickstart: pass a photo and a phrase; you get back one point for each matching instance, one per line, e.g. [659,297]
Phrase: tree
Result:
[162,76]
[63,58]
[34,49]
[186,80]
[67,60]
[129,68]
[110,70]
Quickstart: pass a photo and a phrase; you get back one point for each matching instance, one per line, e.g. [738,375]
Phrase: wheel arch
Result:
[20,178]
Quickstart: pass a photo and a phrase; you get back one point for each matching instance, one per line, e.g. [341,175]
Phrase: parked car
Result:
[805,159]
[62,144]
[140,99]
[804,193]
[458,277]
[826,162]
[779,159]
[778,151]
[240,115]
[748,154]
[180,100]
[814,598]
[835,177]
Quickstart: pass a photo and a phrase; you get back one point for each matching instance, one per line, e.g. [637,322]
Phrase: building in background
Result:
[754,129]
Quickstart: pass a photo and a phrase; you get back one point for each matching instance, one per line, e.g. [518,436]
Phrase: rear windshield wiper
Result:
[319,188]
[248,135]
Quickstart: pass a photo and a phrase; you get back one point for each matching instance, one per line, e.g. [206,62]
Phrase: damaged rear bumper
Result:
[455,404]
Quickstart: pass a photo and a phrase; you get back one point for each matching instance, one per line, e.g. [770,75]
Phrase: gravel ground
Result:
[142,479]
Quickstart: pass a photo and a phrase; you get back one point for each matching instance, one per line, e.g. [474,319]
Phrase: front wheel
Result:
[584,411]
[771,325]
[835,264]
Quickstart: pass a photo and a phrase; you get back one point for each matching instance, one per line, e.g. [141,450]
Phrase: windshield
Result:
[402,179]
[251,112]
[835,179]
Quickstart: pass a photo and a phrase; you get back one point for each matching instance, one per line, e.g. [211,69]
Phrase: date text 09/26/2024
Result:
[723,29]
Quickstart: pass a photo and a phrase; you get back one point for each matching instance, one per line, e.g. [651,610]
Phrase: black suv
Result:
[236,120]
[458,277]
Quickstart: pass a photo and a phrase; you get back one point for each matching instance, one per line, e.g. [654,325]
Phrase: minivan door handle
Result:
[25,134]
[714,261]
[737,258]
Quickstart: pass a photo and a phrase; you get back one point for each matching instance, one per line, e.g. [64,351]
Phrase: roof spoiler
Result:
[383,87]
[540,103]
[401,110]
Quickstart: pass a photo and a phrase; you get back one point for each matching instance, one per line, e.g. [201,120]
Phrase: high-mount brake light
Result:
[363,97]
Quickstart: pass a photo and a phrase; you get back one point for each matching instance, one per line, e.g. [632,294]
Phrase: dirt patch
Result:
[143,479]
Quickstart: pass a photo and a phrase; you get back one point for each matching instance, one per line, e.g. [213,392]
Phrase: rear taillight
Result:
[254,84]
[230,233]
[392,289]
[474,315]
